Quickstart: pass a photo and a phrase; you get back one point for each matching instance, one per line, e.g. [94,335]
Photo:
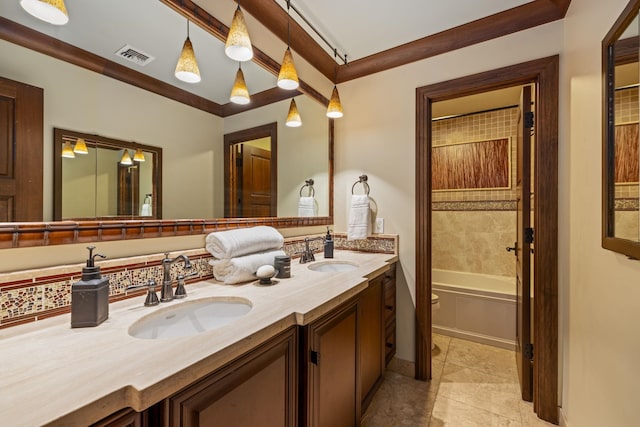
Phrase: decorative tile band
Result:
[627,204]
[28,296]
[489,205]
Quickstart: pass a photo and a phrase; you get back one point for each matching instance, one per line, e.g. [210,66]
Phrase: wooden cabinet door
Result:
[371,340]
[331,361]
[257,389]
[124,418]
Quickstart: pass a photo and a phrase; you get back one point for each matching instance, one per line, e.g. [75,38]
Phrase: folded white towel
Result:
[243,241]
[243,268]
[359,218]
[307,206]
[145,210]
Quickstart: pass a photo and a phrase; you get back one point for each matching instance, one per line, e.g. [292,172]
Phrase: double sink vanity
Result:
[308,350]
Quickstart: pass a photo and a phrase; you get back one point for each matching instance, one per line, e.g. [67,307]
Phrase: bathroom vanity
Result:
[311,351]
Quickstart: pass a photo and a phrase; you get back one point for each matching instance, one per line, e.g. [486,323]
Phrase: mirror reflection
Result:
[98,177]
[191,179]
[625,173]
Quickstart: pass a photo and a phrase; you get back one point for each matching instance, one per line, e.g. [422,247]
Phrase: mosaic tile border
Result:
[493,205]
[625,204]
[29,296]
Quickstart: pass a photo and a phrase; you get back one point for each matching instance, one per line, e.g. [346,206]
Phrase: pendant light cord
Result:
[288,24]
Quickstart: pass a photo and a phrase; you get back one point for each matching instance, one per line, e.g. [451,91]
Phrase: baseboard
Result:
[563,419]
[471,336]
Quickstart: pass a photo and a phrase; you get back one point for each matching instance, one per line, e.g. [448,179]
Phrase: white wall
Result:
[84,101]
[377,136]
[601,304]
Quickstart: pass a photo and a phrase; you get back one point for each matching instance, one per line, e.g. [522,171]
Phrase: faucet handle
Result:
[152,297]
[180,291]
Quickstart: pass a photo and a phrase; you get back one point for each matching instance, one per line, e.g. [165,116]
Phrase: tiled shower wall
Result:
[627,110]
[472,228]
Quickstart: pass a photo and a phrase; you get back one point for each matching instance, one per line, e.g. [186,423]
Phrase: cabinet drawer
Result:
[389,303]
[390,342]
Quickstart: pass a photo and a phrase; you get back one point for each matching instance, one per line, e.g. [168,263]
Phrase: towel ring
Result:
[308,183]
[362,179]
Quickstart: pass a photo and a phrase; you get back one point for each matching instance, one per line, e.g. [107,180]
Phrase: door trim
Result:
[544,73]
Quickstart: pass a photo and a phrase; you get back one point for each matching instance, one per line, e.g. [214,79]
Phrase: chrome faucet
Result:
[307,254]
[166,293]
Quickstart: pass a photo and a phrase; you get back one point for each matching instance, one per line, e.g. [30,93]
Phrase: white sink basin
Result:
[332,266]
[190,318]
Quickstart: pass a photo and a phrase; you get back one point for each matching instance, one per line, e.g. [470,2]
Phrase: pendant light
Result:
[81,147]
[239,91]
[138,156]
[293,118]
[288,76]
[187,68]
[51,11]
[334,110]
[126,158]
[238,45]
[67,151]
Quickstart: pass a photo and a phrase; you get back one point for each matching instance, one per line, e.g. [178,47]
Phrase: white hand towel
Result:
[359,218]
[307,206]
[243,241]
[145,210]
[243,268]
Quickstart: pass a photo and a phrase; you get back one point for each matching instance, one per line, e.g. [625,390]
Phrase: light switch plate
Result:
[379,228]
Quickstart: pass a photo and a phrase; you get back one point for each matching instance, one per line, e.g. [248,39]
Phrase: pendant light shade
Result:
[239,91]
[51,11]
[67,151]
[138,156]
[334,110]
[288,76]
[126,158]
[238,45]
[187,69]
[293,118]
[80,147]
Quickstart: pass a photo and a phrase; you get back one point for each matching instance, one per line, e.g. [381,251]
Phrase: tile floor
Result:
[473,385]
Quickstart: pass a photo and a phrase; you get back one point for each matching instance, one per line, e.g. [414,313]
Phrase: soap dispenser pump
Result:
[90,296]
[328,245]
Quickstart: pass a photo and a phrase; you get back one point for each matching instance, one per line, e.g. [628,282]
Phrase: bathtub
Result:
[476,307]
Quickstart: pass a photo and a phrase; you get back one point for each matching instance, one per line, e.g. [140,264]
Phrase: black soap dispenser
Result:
[328,245]
[90,296]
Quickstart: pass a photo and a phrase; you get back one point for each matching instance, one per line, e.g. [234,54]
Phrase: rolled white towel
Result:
[243,241]
[307,206]
[359,218]
[242,269]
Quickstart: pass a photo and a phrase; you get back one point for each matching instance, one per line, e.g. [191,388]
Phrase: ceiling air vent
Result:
[133,54]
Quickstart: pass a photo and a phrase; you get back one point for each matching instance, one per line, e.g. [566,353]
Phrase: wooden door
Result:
[333,383]
[257,198]
[523,246]
[371,338]
[21,148]
[128,190]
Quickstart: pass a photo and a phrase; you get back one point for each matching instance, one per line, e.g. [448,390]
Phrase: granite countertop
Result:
[50,373]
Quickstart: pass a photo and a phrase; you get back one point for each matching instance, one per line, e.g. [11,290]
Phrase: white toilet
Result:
[435,305]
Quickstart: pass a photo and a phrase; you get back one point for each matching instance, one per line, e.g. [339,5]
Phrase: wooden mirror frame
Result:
[32,234]
[61,135]
[609,59]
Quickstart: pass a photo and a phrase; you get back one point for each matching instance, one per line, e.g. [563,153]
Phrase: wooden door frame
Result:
[230,139]
[544,73]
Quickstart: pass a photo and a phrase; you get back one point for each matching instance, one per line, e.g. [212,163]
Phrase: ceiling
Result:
[376,35]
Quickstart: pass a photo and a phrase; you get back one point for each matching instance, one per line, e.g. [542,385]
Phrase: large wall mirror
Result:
[621,157]
[95,100]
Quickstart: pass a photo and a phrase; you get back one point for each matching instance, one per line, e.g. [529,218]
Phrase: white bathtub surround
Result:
[477,307]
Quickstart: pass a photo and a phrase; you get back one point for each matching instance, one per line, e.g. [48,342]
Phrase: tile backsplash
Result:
[31,295]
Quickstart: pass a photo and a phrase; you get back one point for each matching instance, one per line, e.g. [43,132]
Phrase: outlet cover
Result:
[379,228]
